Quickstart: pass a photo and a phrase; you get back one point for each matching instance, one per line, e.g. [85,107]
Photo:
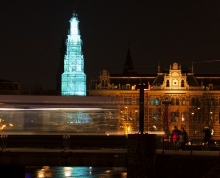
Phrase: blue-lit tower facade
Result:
[73,79]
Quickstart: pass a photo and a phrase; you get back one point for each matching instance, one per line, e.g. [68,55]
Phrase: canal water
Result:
[75,172]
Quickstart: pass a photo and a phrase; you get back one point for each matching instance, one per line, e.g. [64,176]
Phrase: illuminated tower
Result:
[73,82]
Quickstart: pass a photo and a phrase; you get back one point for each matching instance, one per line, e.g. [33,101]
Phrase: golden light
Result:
[3,126]
[45,171]
[11,125]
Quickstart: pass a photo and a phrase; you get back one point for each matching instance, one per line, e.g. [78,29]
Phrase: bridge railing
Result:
[68,141]
[64,141]
[193,144]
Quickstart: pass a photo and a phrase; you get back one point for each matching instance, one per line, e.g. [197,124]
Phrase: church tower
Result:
[128,66]
[73,79]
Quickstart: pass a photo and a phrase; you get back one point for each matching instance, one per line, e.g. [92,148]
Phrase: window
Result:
[182,83]
[167,83]
[155,116]
[130,115]
[172,101]
[152,101]
[197,102]
[183,116]
[157,102]
[128,86]
[174,116]
[127,101]
[177,101]
[193,102]
[137,114]
[183,101]
[137,101]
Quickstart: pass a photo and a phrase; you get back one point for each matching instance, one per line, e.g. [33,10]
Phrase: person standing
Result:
[175,137]
[184,138]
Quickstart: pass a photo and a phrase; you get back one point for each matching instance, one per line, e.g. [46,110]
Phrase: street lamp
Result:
[141,87]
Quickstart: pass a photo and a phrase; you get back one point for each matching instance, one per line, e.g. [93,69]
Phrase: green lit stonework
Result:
[73,78]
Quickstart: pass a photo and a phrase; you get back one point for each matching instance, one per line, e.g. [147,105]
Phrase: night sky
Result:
[157,31]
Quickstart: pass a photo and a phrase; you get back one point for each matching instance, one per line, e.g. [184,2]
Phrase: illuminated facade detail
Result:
[175,79]
[73,82]
[175,97]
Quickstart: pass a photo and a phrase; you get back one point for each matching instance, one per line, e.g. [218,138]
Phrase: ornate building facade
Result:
[173,98]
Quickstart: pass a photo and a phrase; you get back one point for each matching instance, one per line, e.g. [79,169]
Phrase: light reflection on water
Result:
[75,172]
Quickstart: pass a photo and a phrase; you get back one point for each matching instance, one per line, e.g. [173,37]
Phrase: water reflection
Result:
[76,172]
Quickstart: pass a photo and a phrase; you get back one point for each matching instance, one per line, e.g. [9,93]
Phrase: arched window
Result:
[172,101]
[157,102]
[183,101]
[167,83]
[152,101]
[104,83]
[177,101]
[182,83]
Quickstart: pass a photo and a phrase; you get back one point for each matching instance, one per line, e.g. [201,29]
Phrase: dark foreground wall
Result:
[143,161]
[183,166]
[141,155]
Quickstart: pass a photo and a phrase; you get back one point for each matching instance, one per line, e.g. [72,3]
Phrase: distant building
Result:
[9,87]
[174,98]
[73,82]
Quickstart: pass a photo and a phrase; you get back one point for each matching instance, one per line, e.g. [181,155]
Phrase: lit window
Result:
[155,116]
[174,116]
[183,101]
[157,102]
[152,101]
[128,87]
[127,101]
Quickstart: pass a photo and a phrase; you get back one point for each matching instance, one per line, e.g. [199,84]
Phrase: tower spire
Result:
[73,77]
[128,66]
